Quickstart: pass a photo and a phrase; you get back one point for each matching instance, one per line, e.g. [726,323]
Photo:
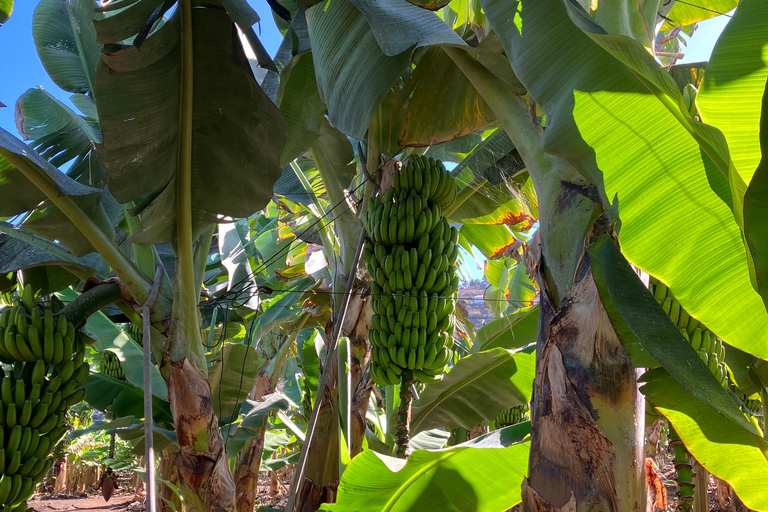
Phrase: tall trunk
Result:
[321,475]
[249,459]
[587,416]
[361,380]
[587,413]
[204,476]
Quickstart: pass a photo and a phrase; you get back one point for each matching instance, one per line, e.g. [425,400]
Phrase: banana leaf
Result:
[445,479]
[478,388]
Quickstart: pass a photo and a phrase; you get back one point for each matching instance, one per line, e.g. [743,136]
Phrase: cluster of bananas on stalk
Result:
[512,416]
[134,331]
[411,254]
[753,406]
[111,367]
[41,379]
[709,347]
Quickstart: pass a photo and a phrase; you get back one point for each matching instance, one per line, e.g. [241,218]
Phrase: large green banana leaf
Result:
[731,98]
[20,249]
[122,398]
[606,121]
[237,132]
[513,331]
[687,13]
[57,132]
[728,453]
[449,479]
[20,195]
[478,388]
[756,207]
[65,39]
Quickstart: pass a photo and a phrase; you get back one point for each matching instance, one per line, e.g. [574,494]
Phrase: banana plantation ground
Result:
[417,255]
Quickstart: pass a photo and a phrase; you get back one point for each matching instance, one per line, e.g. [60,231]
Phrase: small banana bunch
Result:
[42,379]
[134,331]
[709,347]
[512,416]
[411,254]
[753,406]
[111,367]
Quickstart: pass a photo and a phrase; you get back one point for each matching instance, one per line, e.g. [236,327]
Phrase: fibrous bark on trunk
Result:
[248,461]
[204,476]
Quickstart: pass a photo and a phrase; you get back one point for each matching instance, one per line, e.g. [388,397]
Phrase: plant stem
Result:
[185,340]
[89,302]
[134,281]
[402,434]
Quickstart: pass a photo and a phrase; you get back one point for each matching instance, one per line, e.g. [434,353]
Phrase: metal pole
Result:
[329,356]
[149,449]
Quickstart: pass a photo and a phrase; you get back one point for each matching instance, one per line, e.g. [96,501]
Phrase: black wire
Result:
[700,7]
[263,266]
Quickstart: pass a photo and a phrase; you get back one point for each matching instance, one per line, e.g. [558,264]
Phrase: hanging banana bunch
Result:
[709,347]
[711,350]
[134,331]
[411,253]
[44,369]
[110,366]
[512,416]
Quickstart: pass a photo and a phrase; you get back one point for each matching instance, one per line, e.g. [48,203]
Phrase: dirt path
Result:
[91,504]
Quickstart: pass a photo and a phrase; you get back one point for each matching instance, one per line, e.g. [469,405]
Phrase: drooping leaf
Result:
[350,92]
[512,331]
[58,133]
[728,453]
[65,39]
[237,132]
[431,5]
[478,388]
[439,82]
[438,480]
[609,129]
[649,335]
[18,194]
[20,249]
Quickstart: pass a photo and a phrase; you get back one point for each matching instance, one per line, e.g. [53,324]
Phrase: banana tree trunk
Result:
[361,380]
[249,459]
[321,475]
[204,476]
[167,500]
[587,414]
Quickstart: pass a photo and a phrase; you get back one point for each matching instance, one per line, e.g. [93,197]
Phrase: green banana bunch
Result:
[751,406]
[411,253]
[709,347]
[512,416]
[46,370]
[111,367]
[134,331]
